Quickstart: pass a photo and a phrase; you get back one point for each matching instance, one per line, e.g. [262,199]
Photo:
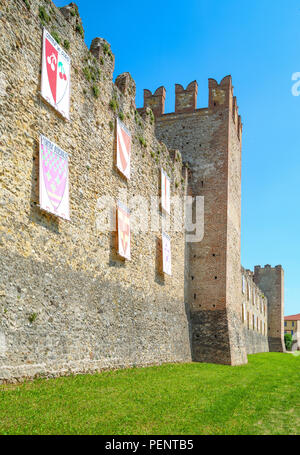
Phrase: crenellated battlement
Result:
[249,276]
[254,314]
[267,267]
[271,281]
[186,100]
[156,101]
[71,14]
[220,96]
[100,49]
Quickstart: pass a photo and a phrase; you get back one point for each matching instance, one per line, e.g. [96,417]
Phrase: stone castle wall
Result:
[68,302]
[271,281]
[254,311]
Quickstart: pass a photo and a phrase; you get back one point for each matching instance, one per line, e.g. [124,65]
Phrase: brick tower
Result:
[210,141]
[271,281]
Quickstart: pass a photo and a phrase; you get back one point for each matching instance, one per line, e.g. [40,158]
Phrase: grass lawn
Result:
[262,397]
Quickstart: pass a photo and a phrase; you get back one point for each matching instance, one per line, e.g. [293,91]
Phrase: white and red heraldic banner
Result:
[166,252]
[123,226]
[123,138]
[56,72]
[53,179]
[165,192]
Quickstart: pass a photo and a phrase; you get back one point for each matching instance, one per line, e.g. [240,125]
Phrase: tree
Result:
[288,340]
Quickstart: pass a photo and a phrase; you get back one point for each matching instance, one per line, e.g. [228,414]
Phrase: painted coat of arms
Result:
[123,224]
[123,148]
[165,192]
[166,251]
[54,179]
[56,66]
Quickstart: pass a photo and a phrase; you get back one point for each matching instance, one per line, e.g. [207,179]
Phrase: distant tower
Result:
[210,141]
[271,281]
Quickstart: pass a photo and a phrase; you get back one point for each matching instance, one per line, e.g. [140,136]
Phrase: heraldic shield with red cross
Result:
[123,224]
[123,139]
[54,179]
[55,86]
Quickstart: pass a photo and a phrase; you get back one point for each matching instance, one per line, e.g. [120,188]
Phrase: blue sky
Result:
[258,43]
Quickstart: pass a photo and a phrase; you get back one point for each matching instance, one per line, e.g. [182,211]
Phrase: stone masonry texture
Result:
[210,143]
[92,309]
[271,282]
[209,140]
[68,303]
[254,315]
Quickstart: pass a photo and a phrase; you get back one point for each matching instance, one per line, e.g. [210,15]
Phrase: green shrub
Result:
[111,125]
[96,91]
[151,117]
[138,119]
[45,18]
[91,73]
[105,47]
[32,317]
[143,141]
[87,73]
[66,44]
[114,105]
[27,4]
[121,116]
[288,340]
[95,73]
[79,30]
[56,36]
